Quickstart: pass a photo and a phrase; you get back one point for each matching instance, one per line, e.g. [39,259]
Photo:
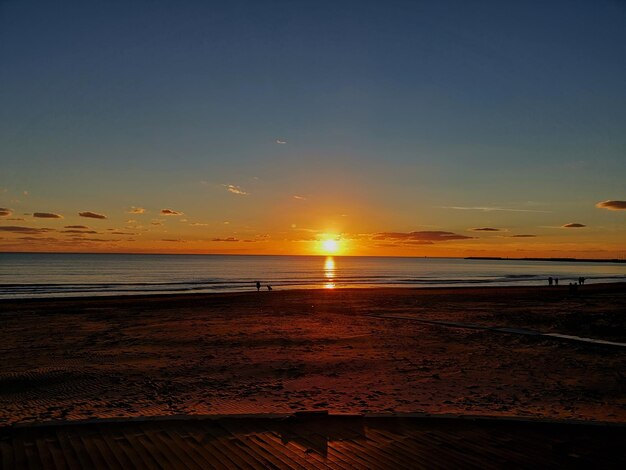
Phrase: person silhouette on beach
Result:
[258,286]
[556,281]
[550,281]
[581,280]
[269,287]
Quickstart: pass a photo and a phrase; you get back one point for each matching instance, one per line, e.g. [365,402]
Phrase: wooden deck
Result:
[313,442]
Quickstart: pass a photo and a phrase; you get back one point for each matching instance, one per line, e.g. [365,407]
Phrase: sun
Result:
[330,246]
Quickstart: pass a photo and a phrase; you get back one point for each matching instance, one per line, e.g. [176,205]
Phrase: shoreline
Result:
[550,290]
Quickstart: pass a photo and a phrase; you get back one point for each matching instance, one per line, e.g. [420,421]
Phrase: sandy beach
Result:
[334,350]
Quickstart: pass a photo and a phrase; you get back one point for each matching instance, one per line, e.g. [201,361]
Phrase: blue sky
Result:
[393,112]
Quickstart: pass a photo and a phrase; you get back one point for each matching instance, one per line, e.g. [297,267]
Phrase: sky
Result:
[400,128]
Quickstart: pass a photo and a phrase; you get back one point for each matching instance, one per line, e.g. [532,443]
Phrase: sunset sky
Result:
[409,128]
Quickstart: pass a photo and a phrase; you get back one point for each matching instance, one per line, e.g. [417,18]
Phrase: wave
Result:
[24,276]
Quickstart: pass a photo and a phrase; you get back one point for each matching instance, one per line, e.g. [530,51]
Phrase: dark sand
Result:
[287,351]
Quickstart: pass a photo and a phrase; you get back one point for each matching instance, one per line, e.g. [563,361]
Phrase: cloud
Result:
[489,209]
[122,233]
[573,225]
[79,231]
[177,240]
[25,230]
[38,239]
[156,222]
[236,190]
[300,198]
[84,227]
[47,215]
[81,239]
[524,235]
[229,239]
[4,212]
[612,205]
[198,224]
[92,215]
[432,236]
[281,142]
[136,210]
[170,212]
[485,229]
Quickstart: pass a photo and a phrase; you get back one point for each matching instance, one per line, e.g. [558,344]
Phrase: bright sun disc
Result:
[330,246]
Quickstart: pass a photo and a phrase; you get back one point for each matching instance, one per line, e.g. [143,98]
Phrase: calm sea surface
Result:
[59,275]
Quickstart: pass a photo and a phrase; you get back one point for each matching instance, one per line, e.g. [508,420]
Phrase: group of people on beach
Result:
[573,286]
[258,286]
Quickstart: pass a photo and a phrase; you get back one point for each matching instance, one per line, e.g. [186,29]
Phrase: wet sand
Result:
[288,351]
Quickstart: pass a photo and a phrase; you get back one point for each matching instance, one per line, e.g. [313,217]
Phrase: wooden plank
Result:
[273,442]
[93,451]
[189,444]
[292,456]
[175,447]
[49,439]
[109,457]
[143,454]
[228,451]
[212,452]
[18,452]
[74,445]
[32,455]
[114,448]
[159,458]
[119,439]
[6,451]
[69,455]
[45,456]
[264,456]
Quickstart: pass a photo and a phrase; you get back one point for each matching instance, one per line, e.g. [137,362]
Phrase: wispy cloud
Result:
[524,235]
[281,142]
[427,236]
[24,230]
[490,209]
[299,198]
[229,239]
[485,229]
[5,212]
[236,190]
[77,226]
[79,231]
[170,212]
[47,215]
[573,225]
[83,239]
[92,215]
[136,210]
[198,224]
[612,205]
[38,239]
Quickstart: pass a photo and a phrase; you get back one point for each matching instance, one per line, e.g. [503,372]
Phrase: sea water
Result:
[62,275]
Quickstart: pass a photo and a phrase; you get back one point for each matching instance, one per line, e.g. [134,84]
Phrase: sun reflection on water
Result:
[329,272]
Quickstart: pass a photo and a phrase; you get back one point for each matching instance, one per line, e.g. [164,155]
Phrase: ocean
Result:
[27,275]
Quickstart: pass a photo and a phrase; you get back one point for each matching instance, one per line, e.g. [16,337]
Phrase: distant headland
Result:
[574,260]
